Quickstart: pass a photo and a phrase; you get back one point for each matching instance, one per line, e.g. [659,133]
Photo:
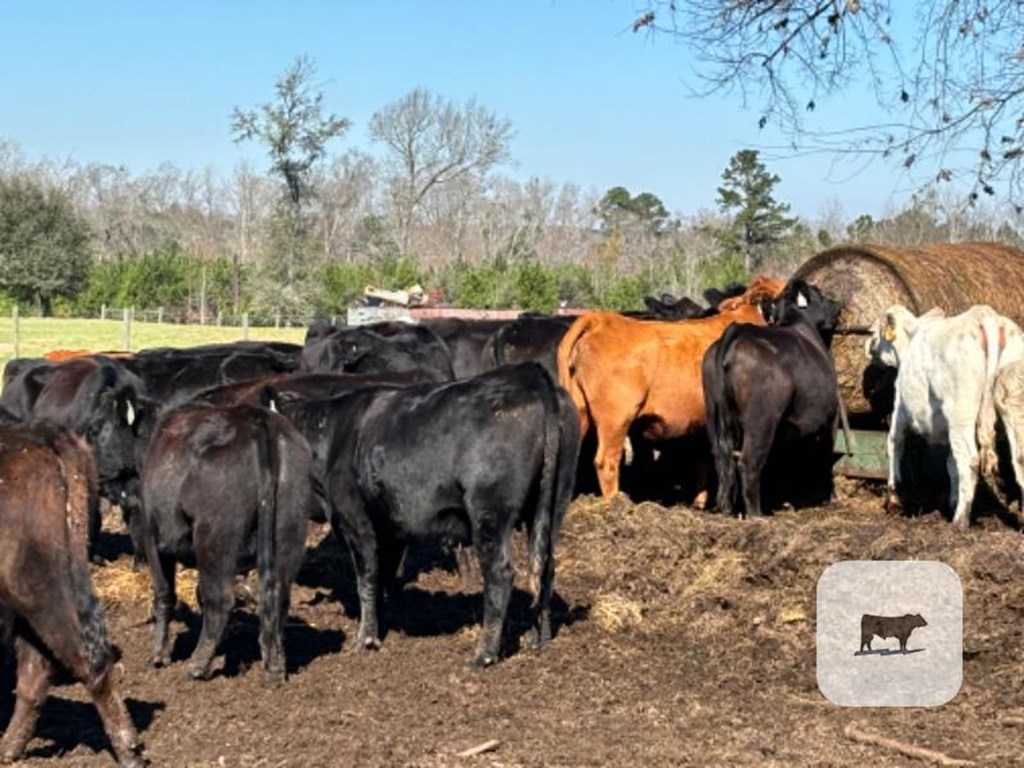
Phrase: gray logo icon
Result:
[875,648]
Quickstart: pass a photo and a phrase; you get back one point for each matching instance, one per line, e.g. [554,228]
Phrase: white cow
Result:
[1008,398]
[947,366]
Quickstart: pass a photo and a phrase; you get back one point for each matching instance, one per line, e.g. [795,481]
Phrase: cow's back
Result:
[650,367]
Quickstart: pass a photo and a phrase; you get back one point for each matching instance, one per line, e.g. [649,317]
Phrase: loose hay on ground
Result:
[118,583]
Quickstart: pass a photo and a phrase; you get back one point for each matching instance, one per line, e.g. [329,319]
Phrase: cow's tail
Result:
[81,500]
[494,349]
[568,349]
[725,441]
[1002,343]
[269,460]
[558,466]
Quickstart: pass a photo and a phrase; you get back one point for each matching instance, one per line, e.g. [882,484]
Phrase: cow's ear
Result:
[801,300]
[889,327]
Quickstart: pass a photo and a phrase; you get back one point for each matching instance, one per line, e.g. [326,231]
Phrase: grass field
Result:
[37,335]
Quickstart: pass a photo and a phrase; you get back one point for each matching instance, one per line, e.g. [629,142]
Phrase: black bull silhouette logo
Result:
[899,627]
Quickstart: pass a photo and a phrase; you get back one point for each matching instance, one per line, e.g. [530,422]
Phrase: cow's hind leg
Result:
[30,692]
[216,591]
[162,571]
[85,653]
[352,525]
[491,543]
[611,439]
[757,444]
[962,466]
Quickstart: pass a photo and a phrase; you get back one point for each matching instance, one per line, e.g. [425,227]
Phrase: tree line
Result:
[426,204]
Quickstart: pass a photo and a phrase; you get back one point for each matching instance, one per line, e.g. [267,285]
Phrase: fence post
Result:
[220,318]
[17,330]
[245,326]
[126,336]
[103,311]
[277,317]
[160,314]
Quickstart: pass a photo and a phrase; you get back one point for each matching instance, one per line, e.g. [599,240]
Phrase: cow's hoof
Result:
[892,502]
[133,761]
[483,660]
[368,644]
[700,503]
[537,638]
[963,523]
[159,661]
[274,676]
[199,672]
[10,757]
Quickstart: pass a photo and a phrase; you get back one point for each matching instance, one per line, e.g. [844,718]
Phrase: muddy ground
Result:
[682,639]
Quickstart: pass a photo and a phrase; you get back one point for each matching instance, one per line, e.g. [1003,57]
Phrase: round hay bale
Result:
[869,278]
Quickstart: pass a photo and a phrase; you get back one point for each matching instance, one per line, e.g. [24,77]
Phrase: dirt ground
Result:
[682,639]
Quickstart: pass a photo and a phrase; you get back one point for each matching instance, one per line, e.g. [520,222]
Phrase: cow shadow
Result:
[239,648]
[667,472]
[416,611]
[419,612]
[328,566]
[889,652]
[924,483]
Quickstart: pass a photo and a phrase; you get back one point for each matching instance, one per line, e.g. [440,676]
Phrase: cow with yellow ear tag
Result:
[943,390]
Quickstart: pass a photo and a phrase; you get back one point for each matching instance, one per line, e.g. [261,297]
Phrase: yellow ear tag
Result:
[889,334]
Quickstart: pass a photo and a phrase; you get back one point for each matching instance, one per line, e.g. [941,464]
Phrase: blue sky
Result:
[592,103]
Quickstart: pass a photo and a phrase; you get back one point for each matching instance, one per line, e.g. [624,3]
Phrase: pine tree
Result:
[758,222]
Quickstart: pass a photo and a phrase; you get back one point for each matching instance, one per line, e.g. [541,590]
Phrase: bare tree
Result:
[251,199]
[952,81]
[432,143]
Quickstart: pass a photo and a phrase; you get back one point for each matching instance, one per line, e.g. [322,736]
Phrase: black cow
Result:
[102,402]
[48,492]
[533,337]
[386,347]
[24,379]
[668,307]
[310,386]
[225,488]
[466,341]
[899,627]
[173,376]
[771,387]
[467,460]
[715,296]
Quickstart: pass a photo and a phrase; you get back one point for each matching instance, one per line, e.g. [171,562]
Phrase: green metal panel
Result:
[865,457]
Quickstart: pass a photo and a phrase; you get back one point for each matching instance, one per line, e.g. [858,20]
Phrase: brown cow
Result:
[619,370]
[48,486]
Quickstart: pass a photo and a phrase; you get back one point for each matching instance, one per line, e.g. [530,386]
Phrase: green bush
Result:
[535,287]
[575,285]
[626,292]
[342,285]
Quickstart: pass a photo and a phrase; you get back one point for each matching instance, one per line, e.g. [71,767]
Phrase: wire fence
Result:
[275,318]
[131,329]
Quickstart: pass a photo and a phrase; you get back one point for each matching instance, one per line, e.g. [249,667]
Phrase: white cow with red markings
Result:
[947,366]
